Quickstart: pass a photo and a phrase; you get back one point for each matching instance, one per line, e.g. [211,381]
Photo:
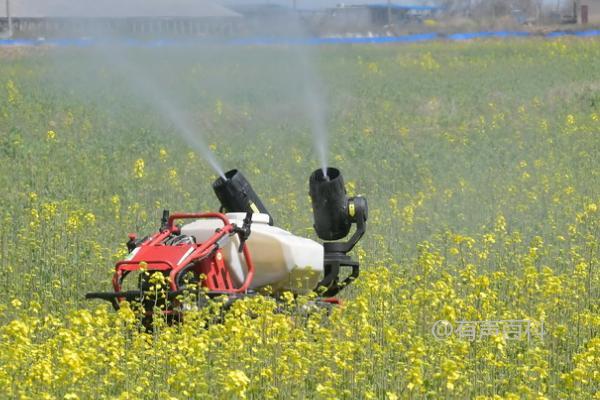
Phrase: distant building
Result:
[373,17]
[52,18]
[266,19]
[587,11]
[380,13]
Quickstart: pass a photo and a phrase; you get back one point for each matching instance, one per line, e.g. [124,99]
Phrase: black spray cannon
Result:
[236,195]
[334,214]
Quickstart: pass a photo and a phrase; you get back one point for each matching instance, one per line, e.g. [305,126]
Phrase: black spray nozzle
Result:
[236,195]
[333,211]
[164,221]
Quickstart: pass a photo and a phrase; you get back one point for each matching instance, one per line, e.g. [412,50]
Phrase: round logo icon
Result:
[442,329]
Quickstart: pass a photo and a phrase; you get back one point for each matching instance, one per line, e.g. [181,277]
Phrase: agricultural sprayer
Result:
[239,252]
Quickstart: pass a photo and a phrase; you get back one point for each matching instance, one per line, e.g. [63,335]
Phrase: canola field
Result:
[481,164]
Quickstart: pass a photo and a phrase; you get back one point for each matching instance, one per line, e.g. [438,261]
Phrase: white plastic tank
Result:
[283,261]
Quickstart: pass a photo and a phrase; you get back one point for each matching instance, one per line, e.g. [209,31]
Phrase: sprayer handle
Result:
[244,231]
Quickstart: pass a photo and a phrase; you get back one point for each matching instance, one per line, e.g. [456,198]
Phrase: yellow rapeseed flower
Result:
[237,383]
[162,154]
[138,168]
[13,92]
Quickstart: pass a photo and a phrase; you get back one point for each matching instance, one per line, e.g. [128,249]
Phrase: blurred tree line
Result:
[493,9]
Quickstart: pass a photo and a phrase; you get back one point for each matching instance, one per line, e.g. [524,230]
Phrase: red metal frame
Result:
[207,255]
[332,300]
